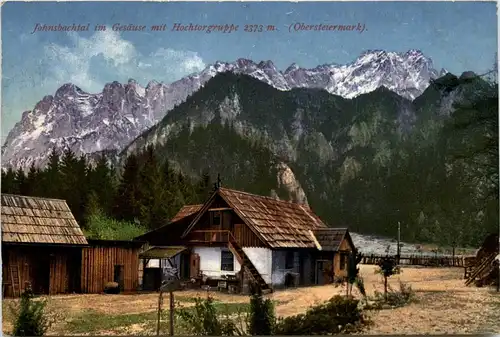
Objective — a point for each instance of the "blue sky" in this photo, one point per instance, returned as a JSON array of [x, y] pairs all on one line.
[[458, 36]]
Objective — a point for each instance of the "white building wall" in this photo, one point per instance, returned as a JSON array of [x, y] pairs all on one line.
[[278, 266], [153, 263], [262, 260], [210, 261]]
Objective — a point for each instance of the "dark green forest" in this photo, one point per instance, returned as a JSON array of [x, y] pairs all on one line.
[[365, 163], [108, 204]]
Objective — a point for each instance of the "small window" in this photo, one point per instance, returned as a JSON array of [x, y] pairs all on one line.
[[343, 261], [227, 261], [215, 218], [289, 260]]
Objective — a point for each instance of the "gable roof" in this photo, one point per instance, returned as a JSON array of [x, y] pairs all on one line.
[[278, 223], [38, 220], [185, 211], [171, 232], [330, 238]]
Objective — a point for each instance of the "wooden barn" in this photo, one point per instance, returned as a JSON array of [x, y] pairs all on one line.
[[41, 244], [106, 261], [237, 237]]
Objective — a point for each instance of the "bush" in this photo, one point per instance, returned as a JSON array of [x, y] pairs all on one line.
[[99, 226], [204, 320], [262, 316], [388, 267], [394, 298], [338, 315], [31, 319]]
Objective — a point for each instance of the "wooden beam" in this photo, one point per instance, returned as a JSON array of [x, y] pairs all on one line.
[[220, 209]]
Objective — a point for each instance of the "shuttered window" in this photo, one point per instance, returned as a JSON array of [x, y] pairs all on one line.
[[227, 261]]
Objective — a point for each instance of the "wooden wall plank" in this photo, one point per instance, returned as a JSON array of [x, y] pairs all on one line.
[[99, 264]]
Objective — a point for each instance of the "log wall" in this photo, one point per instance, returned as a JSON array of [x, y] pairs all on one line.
[[39, 266], [98, 267]]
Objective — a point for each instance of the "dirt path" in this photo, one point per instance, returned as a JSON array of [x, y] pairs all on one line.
[[444, 304]]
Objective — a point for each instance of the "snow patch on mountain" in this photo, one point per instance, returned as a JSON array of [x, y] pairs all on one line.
[[88, 123]]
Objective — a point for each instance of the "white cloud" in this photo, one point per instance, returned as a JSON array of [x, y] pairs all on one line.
[[188, 62], [89, 63], [106, 56]]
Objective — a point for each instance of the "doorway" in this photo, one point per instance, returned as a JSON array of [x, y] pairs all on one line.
[[184, 266], [41, 275], [324, 272], [119, 275], [319, 272]]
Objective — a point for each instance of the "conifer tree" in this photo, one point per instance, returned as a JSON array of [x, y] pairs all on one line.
[[33, 181], [21, 186], [8, 182], [102, 183], [153, 210], [127, 203], [204, 187], [51, 176], [73, 183]]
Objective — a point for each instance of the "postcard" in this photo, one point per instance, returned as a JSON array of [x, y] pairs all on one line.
[[249, 168]]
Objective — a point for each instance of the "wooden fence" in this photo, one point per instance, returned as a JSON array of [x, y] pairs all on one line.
[[428, 261]]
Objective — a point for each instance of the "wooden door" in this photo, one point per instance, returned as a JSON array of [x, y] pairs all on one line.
[[185, 265], [319, 272], [74, 270], [226, 221], [195, 265], [41, 274], [238, 231], [119, 275], [328, 272]]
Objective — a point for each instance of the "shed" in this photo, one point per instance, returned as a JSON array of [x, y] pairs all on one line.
[[106, 261], [338, 241], [41, 244]]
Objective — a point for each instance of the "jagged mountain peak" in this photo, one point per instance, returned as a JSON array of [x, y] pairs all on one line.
[[66, 90], [152, 84], [415, 52], [292, 67], [113, 118], [266, 64], [113, 85], [468, 74], [244, 62]]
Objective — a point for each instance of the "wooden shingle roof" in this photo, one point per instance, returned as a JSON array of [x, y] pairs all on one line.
[[185, 211], [330, 238], [38, 220], [280, 224]]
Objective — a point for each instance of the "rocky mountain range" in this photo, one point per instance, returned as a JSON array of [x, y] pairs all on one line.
[[369, 161], [110, 120]]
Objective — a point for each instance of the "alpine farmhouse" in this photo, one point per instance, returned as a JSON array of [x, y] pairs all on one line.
[[279, 244]]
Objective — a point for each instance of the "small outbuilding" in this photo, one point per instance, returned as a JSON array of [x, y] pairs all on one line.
[[41, 244]]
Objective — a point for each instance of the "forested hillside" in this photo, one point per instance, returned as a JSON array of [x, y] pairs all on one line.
[[366, 163], [106, 204]]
